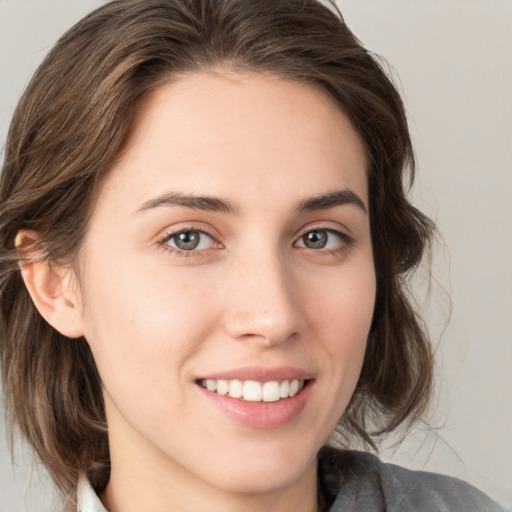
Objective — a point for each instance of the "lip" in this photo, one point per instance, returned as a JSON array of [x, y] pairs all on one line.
[[260, 415], [260, 374]]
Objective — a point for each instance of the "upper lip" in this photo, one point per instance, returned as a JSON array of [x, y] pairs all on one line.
[[260, 374]]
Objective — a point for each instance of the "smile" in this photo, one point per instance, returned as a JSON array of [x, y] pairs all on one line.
[[254, 391]]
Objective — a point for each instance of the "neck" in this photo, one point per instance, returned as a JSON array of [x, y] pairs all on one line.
[[152, 492], [144, 478]]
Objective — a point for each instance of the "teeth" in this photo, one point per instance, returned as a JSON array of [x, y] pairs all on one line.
[[236, 389], [271, 391], [222, 387], [294, 387], [284, 389], [253, 391]]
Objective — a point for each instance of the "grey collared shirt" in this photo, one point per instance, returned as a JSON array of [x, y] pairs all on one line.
[[359, 482]]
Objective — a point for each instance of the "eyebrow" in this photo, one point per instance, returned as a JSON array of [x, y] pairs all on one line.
[[216, 204], [192, 201], [331, 200]]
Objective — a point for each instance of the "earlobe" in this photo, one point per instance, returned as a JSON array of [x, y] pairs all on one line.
[[52, 287]]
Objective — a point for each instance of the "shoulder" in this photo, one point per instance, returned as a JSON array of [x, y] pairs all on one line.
[[357, 482]]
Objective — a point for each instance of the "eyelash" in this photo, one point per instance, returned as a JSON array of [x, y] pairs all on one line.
[[182, 253], [347, 242]]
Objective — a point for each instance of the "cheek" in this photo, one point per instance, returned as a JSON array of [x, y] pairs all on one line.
[[343, 301], [143, 322], [342, 311]]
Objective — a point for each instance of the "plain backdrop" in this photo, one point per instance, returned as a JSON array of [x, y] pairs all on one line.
[[453, 60]]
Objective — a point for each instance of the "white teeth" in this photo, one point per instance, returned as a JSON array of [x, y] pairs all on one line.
[[222, 387], [236, 389], [284, 389], [294, 387], [271, 391], [254, 391]]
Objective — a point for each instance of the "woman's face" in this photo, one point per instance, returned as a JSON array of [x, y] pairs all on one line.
[[229, 253]]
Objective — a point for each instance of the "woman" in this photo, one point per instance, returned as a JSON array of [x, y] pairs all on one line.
[[205, 237]]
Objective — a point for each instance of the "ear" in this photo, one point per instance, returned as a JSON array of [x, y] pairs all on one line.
[[52, 287]]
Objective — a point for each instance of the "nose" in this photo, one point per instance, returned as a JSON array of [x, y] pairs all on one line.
[[263, 304]]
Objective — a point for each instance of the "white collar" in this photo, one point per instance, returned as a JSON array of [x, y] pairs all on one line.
[[87, 499]]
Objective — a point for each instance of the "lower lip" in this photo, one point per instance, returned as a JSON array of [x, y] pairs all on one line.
[[262, 415]]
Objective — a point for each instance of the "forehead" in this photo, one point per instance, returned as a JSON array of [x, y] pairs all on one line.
[[253, 136]]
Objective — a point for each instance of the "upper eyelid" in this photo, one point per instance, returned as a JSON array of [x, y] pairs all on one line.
[[171, 236], [170, 232], [340, 231], [340, 234]]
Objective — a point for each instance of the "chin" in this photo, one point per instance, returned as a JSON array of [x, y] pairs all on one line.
[[266, 471]]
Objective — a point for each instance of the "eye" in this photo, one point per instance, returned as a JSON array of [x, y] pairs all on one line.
[[322, 239], [189, 240]]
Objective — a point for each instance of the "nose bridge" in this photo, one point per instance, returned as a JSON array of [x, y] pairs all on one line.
[[263, 306]]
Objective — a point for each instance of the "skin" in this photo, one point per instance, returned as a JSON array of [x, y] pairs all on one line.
[[252, 294]]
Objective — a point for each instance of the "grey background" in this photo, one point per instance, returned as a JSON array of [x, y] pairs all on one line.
[[455, 67]]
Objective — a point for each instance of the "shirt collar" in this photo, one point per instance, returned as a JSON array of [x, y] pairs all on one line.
[[87, 499]]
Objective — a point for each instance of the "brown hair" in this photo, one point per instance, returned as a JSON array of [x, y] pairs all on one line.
[[69, 127]]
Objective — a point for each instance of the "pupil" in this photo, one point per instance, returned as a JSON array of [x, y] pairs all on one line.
[[315, 239], [187, 241]]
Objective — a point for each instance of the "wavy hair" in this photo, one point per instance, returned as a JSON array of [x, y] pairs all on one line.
[[66, 133]]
